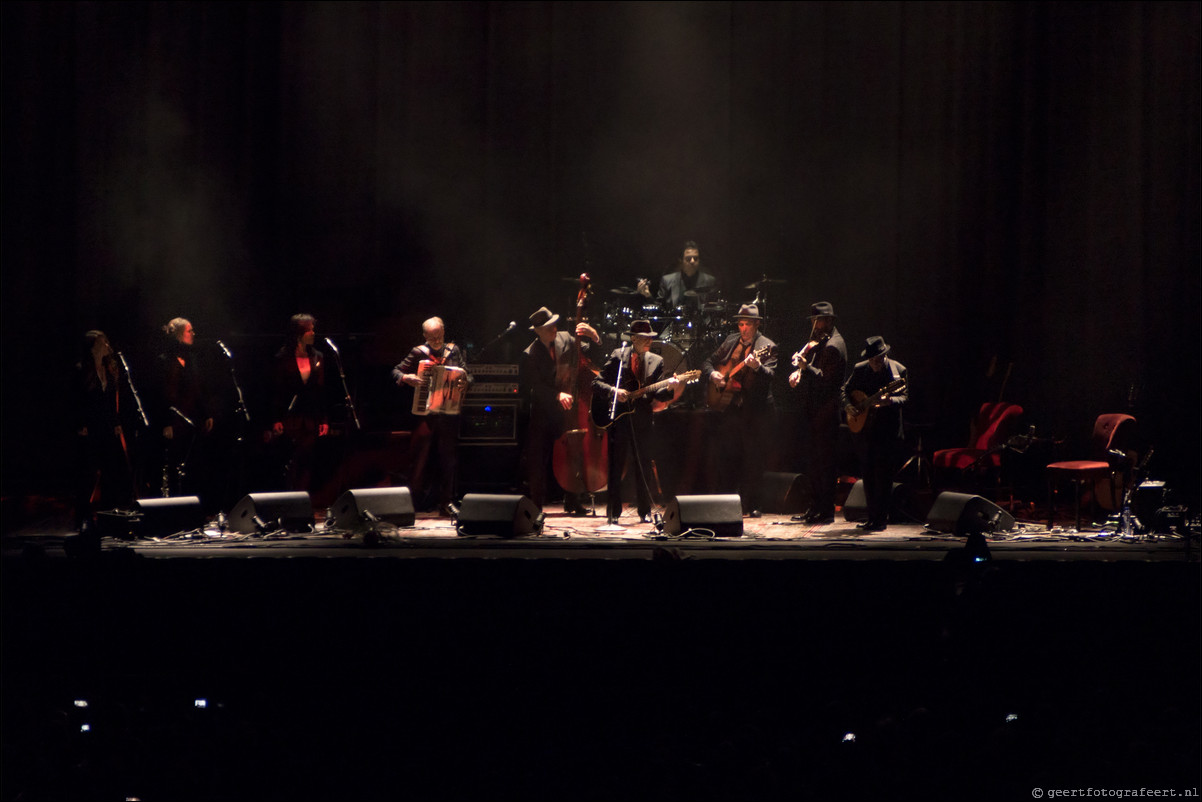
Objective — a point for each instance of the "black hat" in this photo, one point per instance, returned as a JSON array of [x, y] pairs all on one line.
[[821, 309], [748, 312], [542, 317], [641, 328], [874, 346]]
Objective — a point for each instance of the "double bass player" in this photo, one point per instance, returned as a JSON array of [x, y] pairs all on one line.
[[548, 376]]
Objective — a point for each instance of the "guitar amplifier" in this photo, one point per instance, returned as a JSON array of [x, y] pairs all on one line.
[[494, 381], [482, 421]]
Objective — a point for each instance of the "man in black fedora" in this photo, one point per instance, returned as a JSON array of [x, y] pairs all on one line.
[[548, 377], [629, 369], [821, 365], [873, 395], [740, 374]]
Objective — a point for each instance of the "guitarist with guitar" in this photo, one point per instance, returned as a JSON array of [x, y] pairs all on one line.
[[740, 375], [621, 383], [872, 398]]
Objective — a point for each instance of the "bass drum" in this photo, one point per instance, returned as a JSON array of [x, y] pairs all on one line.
[[673, 356]]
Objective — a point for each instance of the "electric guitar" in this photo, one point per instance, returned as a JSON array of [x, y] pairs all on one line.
[[720, 398], [602, 402], [858, 418]]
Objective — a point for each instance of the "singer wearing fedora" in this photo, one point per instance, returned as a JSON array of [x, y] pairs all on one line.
[[629, 369], [740, 375], [548, 383], [298, 403], [821, 365], [438, 430], [875, 392]]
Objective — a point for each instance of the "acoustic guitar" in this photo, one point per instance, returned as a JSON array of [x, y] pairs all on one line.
[[602, 402], [720, 399], [858, 418]]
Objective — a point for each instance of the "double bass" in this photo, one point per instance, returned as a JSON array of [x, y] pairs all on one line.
[[581, 456]]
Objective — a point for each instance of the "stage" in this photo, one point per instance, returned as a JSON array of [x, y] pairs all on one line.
[[595, 663]]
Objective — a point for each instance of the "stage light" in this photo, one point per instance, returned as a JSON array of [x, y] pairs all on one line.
[[1011, 717], [81, 702], [202, 703], [85, 727], [849, 738]]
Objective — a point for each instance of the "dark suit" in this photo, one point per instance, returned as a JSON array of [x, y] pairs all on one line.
[[301, 407], [543, 379], [743, 437], [877, 443], [820, 385], [630, 436], [672, 287]]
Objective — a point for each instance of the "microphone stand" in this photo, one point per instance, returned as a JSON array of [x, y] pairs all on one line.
[[243, 414], [512, 325], [129, 379], [350, 403], [613, 404], [135, 463]]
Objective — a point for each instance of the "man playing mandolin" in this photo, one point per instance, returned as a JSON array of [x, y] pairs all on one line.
[[873, 397], [740, 382]]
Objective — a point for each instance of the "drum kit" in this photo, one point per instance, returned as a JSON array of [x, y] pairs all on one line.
[[687, 333]]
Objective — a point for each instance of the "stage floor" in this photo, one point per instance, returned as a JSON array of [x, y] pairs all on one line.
[[589, 537]]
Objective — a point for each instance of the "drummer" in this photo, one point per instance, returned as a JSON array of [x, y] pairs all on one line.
[[687, 285]]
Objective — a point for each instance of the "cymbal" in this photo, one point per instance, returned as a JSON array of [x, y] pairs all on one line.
[[624, 291], [755, 285]]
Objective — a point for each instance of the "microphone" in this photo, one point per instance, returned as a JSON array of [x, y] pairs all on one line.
[[224, 350], [513, 324], [182, 417], [330, 343]]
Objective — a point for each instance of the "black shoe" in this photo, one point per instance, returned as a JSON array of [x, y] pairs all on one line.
[[821, 520], [875, 527], [612, 520], [863, 524], [755, 514], [804, 518], [644, 517]]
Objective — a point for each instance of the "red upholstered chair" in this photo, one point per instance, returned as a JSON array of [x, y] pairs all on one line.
[[1103, 466], [991, 428]]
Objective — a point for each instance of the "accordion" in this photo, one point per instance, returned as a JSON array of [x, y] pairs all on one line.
[[441, 391]]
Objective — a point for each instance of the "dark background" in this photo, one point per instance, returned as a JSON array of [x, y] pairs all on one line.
[[974, 181]]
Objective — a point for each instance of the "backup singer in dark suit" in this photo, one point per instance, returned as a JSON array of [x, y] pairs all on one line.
[[298, 402], [819, 375], [630, 436], [548, 377], [438, 431], [102, 410], [183, 409], [748, 418], [877, 443]]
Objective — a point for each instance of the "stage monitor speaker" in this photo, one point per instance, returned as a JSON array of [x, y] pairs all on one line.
[[785, 493], [722, 515], [963, 514], [505, 516], [166, 516], [356, 509], [855, 509], [264, 512]]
